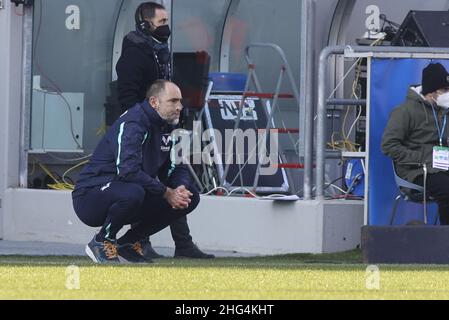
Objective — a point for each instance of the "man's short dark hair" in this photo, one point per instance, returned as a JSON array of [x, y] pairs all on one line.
[[148, 9], [157, 88]]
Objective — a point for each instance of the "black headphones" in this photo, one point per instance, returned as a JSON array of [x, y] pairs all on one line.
[[142, 24]]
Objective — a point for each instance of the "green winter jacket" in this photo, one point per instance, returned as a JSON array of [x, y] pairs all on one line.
[[411, 134]]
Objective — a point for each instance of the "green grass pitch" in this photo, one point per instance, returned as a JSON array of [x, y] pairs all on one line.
[[305, 276]]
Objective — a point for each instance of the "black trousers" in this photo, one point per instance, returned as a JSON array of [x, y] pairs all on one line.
[[180, 233], [120, 203], [438, 188]]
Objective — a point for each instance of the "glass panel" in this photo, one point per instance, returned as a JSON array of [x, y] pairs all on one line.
[[71, 70], [198, 26], [266, 21]]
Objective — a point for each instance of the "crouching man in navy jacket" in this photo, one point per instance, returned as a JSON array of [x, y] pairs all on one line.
[[131, 179]]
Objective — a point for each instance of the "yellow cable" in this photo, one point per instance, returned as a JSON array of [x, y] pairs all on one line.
[[59, 185], [70, 169], [43, 167], [346, 144]]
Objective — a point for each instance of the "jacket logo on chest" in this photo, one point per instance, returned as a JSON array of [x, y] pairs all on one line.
[[166, 142]]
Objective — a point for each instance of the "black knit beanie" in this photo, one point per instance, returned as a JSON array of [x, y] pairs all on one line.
[[434, 77]]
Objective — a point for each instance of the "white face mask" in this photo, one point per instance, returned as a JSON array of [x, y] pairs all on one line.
[[443, 100]]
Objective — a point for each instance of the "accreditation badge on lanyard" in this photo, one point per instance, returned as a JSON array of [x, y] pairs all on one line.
[[440, 158]]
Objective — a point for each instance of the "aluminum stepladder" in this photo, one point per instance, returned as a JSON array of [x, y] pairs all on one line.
[[270, 108]]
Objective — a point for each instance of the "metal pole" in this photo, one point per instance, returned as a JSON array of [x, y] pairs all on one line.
[[409, 52], [346, 102], [306, 88], [25, 108], [226, 35], [321, 120]]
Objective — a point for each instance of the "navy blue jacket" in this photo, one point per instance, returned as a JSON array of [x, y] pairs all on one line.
[[135, 149]]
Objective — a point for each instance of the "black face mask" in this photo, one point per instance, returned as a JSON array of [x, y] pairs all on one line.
[[162, 33]]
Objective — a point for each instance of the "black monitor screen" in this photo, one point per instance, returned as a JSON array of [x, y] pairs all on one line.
[[190, 73]]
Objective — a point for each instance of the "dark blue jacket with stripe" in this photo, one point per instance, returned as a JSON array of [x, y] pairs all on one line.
[[136, 149]]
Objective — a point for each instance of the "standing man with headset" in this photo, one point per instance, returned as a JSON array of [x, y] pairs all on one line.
[[145, 58]]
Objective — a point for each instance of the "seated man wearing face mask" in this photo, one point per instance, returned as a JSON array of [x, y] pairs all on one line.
[[417, 134]]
